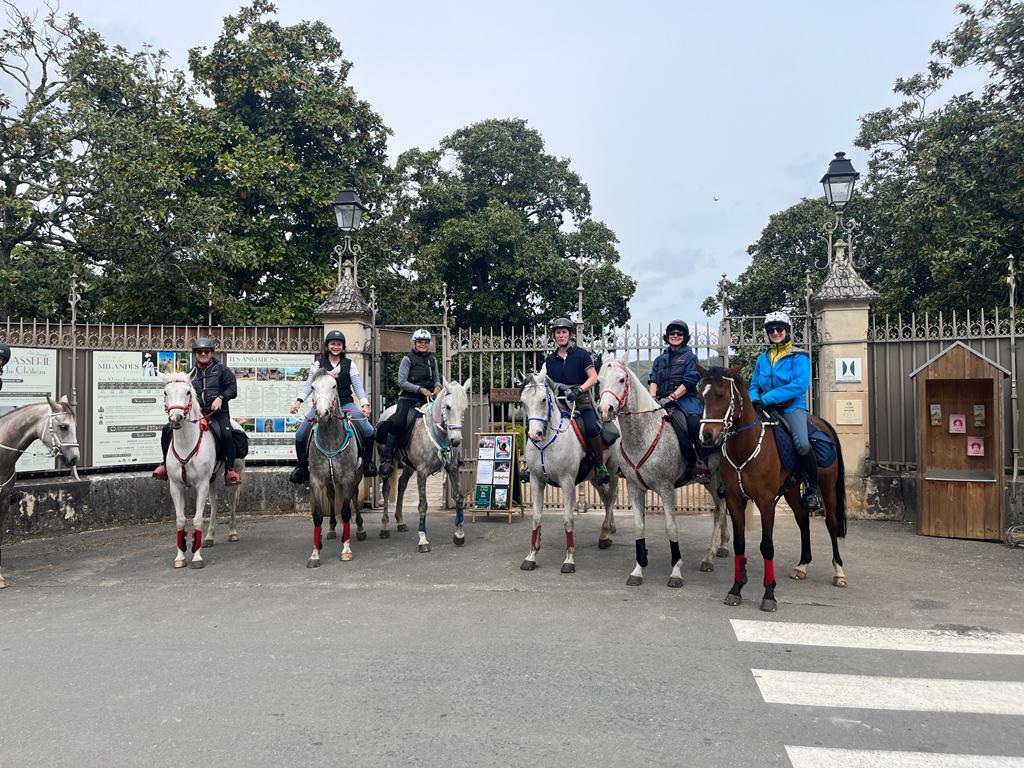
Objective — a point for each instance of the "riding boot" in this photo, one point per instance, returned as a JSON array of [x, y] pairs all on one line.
[[300, 474], [601, 476], [524, 472], [811, 500], [386, 454], [160, 473], [369, 468]]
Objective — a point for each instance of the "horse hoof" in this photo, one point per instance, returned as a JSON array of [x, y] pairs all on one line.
[[634, 581], [346, 556], [208, 542], [731, 599], [839, 581], [232, 537], [528, 565], [768, 605], [422, 548], [675, 582], [401, 527], [568, 567], [331, 535], [798, 574], [313, 562], [604, 543], [198, 564], [180, 563], [360, 535], [721, 552], [385, 534], [707, 566], [458, 540]]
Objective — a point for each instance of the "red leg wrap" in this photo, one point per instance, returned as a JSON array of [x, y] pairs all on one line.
[[181, 540], [535, 538], [316, 538], [738, 565], [197, 541], [346, 532], [568, 540], [769, 573]]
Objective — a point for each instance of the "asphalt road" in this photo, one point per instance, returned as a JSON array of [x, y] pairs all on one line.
[[109, 657]]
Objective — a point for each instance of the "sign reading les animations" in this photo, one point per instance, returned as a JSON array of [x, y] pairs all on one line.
[[29, 377], [267, 386]]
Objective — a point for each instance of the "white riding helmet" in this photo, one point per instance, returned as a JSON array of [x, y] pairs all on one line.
[[777, 318], [421, 334]]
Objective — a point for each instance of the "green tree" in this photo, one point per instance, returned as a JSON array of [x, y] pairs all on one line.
[[494, 216]]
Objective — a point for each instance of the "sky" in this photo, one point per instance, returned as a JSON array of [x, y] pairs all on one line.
[[661, 107]]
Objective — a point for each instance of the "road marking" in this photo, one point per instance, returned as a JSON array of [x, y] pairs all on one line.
[[819, 757], [895, 693], [882, 638]]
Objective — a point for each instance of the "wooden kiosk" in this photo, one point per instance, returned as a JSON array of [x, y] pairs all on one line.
[[960, 445]]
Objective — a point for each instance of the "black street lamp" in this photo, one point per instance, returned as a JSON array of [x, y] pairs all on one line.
[[838, 183], [348, 209]]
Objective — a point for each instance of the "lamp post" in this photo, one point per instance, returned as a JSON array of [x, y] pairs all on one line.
[[838, 183], [580, 269], [209, 304], [348, 209]]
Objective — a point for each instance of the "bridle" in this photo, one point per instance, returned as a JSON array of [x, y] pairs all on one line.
[[727, 430], [564, 422], [442, 443], [621, 399], [53, 450], [622, 412], [204, 427]]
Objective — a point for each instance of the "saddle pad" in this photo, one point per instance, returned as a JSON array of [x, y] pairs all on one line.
[[821, 444]]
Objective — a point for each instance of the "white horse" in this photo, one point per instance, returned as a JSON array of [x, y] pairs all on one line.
[[192, 462], [334, 469], [652, 460], [433, 445], [553, 455], [53, 424]]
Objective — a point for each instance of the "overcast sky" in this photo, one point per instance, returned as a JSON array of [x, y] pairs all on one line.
[[661, 106]]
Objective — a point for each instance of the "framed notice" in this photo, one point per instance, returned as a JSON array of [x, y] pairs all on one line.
[[957, 424], [975, 446], [29, 376], [496, 470], [267, 386]]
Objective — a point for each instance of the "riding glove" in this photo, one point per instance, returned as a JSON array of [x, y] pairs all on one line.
[[573, 393]]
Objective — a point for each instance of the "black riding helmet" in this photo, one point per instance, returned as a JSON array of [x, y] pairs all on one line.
[[203, 342], [677, 325], [335, 336], [562, 322]]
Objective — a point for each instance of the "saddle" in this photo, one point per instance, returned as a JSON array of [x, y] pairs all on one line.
[[241, 442], [353, 434], [821, 443], [384, 428], [609, 434]]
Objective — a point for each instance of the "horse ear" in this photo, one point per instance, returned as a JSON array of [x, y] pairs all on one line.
[[64, 399], [53, 406], [466, 383], [701, 370], [734, 370]]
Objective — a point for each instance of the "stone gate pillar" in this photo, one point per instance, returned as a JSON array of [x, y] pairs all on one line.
[[841, 305], [346, 310]]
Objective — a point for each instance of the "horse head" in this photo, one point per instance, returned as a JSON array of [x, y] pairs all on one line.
[[179, 399], [614, 383], [325, 395], [538, 402], [719, 389], [454, 406], [60, 434]]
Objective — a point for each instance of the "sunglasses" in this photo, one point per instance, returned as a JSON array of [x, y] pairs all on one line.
[[675, 333], [776, 329], [204, 351]]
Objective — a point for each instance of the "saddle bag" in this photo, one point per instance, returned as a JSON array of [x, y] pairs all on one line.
[[241, 443]]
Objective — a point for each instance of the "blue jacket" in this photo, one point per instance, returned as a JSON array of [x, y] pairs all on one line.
[[671, 369], [783, 385]]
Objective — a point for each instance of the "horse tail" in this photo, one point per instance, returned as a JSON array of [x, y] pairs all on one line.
[[840, 483]]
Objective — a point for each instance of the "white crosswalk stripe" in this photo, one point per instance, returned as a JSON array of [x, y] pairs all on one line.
[[879, 692]]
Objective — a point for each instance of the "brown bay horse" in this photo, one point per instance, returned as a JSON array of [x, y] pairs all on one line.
[[752, 469]]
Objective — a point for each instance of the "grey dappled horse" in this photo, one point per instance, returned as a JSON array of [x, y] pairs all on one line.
[[553, 455], [334, 472], [192, 462], [433, 445], [652, 460], [53, 424]]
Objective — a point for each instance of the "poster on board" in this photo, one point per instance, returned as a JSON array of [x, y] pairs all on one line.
[[29, 376], [494, 471], [268, 384]]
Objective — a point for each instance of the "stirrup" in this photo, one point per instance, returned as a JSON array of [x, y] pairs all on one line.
[[386, 469], [601, 476], [811, 500], [369, 469], [298, 475]]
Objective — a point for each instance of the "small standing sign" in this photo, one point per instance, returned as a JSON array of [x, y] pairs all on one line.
[[496, 473]]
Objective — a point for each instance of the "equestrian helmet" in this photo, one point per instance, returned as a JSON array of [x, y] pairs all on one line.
[[778, 320], [334, 336], [5, 353], [202, 342], [562, 322], [421, 334], [678, 325]]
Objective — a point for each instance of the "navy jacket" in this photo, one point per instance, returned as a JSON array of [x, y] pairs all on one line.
[[213, 381], [672, 369]]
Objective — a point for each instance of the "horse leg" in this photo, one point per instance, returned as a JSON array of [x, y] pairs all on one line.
[[537, 492], [354, 496], [607, 495], [421, 483], [211, 524], [337, 495], [569, 507], [459, 537], [232, 530], [668, 500], [767, 507], [204, 492], [828, 495], [385, 489], [403, 483], [636, 501], [737, 507], [178, 497], [318, 522], [803, 522], [4, 499], [719, 530], [332, 529]]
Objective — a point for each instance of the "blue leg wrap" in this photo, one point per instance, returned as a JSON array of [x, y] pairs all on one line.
[[641, 552]]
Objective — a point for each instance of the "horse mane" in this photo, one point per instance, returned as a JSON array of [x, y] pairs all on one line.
[[717, 373], [320, 372]]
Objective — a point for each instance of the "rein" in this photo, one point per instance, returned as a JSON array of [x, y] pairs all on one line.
[[445, 452], [53, 449], [657, 438], [727, 426], [204, 427], [562, 426]]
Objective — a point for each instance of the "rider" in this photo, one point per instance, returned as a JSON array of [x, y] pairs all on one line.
[[5, 358], [572, 366], [674, 379], [782, 375], [215, 385], [418, 379], [332, 359]]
